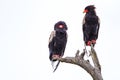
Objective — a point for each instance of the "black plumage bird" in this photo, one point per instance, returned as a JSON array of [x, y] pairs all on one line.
[[90, 26], [57, 41]]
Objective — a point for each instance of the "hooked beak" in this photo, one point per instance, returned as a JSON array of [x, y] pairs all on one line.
[[85, 11]]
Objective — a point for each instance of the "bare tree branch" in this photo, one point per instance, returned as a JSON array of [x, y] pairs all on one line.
[[95, 72], [95, 58]]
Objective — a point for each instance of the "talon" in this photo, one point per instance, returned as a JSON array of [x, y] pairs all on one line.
[[88, 43], [93, 41], [55, 57]]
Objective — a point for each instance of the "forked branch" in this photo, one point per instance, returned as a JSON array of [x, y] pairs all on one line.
[[94, 71]]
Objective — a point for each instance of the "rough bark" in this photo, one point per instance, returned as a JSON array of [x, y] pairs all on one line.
[[94, 71]]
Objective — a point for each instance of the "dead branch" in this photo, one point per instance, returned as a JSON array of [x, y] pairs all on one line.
[[94, 71], [95, 59]]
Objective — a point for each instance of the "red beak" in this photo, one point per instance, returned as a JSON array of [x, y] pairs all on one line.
[[85, 11]]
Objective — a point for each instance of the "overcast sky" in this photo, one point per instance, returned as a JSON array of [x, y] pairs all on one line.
[[25, 26]]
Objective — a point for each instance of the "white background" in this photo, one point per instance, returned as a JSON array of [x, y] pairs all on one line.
[[25, 26]]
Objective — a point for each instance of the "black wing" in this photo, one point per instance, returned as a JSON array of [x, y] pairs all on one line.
[[84, 29], [97, 29], [51, 44]]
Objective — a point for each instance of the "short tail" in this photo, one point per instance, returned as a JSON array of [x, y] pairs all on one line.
[[56, 66]]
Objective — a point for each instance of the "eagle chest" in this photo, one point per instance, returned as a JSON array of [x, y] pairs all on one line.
[[60, 39], [91, 19]]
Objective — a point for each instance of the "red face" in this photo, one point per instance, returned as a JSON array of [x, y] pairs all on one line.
[[85, 11], [60, 26]]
